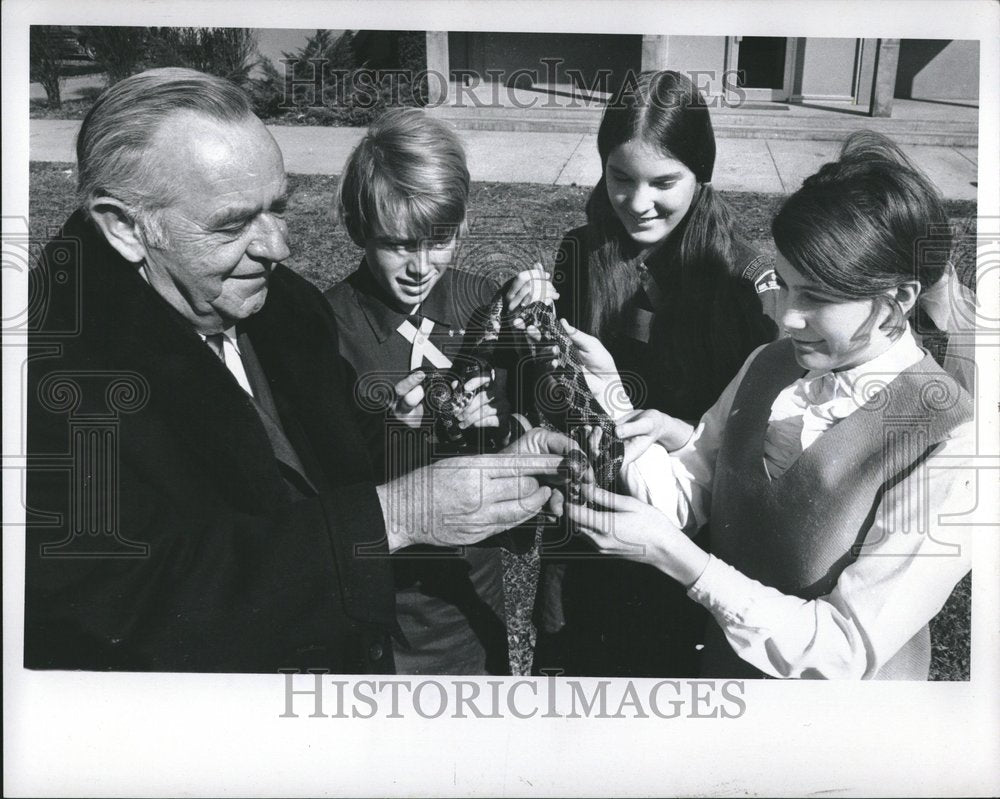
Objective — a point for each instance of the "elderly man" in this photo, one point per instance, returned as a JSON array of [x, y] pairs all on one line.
[[200, 498]]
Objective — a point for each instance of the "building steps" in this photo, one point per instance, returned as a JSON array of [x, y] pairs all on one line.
[[789, 123]]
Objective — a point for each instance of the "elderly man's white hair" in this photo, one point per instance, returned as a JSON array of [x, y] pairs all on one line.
[[112, 148]]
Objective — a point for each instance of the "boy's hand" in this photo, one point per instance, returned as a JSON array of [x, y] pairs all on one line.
[[409, 405], [531, 285], [488, 406]]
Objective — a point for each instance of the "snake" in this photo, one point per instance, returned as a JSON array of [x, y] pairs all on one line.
[[561, 400]]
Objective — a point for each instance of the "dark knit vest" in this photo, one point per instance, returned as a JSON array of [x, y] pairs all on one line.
[[799, 531]]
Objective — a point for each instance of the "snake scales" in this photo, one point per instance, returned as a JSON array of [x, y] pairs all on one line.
[[560, 400]]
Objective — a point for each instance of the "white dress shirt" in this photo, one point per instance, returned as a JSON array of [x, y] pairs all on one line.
[[233, 358], [230, 348], [899, 581]]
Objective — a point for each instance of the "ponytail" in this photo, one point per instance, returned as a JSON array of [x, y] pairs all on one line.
[[870, 221], [866, 222]]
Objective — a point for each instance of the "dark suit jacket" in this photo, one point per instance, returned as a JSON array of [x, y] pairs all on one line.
[[162, 534]]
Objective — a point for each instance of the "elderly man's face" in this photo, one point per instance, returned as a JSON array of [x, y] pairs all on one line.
[[226, 231]]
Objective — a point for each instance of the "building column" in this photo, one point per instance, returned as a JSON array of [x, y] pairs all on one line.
[[654, 52], [884, 80], [438, 77]]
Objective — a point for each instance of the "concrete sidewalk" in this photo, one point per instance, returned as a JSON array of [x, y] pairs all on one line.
[[759, 165]]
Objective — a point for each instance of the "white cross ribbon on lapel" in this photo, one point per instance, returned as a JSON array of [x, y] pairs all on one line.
[[422, 345]]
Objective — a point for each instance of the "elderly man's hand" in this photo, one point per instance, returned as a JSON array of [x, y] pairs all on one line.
[[464, 500], [574, 469]]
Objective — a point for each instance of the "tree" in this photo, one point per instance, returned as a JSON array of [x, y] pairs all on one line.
[[118, 50], [227, 52], [45, 58], [347, 79], [322, 62], [122, 51]]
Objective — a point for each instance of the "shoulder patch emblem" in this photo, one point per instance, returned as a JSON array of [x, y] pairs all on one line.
[[766, 281]]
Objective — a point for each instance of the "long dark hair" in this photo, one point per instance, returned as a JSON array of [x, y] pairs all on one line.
[[705, 326], [865, 224]]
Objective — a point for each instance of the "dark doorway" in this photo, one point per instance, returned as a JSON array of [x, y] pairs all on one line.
[[761, 62]]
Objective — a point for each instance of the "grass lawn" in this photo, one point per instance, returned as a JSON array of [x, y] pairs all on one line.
[[70, 109], [516, 224]]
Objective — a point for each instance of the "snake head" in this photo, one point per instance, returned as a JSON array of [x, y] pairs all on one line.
[[577, 466], [578, 470]]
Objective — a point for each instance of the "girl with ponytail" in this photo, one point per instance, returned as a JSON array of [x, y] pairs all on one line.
[[658, 275], [830, 473]]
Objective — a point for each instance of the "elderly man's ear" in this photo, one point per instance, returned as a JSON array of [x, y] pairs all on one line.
[[119, 227]]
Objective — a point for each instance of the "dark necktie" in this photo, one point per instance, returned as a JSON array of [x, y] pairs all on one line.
[[264, 405], [215, 342]]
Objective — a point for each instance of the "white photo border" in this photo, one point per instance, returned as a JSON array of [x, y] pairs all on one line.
[[176, 734]]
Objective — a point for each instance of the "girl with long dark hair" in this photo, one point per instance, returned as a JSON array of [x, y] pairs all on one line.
[[660, 277]]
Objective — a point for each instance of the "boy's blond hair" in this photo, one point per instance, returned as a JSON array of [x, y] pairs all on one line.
[[407, 180]]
